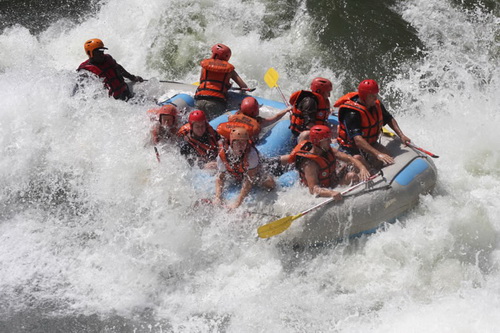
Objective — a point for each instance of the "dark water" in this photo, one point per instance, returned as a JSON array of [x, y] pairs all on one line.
[[38, 15]]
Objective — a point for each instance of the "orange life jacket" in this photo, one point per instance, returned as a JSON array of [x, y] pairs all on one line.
[[297, 119], [371, 122], [327, 164], [214, 79], [240, 120], [160, 134], [113, 81], [207, 152], [236, 169]]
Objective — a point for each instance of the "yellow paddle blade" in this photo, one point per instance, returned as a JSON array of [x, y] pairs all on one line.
[[385, 131], [276, 227], [271, 77]]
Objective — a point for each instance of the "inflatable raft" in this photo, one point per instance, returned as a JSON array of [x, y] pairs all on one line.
[[392, 193]]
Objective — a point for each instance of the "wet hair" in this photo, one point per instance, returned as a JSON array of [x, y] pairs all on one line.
[[308, 105]]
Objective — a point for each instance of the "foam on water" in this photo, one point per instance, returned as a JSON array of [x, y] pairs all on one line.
[[92, 224]]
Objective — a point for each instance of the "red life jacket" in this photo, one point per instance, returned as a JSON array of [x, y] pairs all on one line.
[[371, 122], [240, 120], [236, 169], [214, 79], [327, 164], [297, 119], [207, 152], [113, 81]]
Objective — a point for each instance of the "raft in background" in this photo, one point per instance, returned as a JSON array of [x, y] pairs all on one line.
[[387, 197]]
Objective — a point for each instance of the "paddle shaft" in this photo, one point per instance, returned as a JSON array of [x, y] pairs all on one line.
[[157, 154], [423, 150], [283, 96], [341, 193]]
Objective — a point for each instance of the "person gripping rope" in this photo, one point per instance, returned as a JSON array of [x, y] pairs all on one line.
[[216, 73], [361, 118], [240, 160], [318, 166], [106, 68]]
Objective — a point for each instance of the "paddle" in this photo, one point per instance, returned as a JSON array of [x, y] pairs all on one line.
[[278, 226], [389, 133], [271, 77], [423, 150], [157, 154]]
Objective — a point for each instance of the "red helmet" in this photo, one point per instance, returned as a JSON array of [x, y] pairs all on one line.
[[321, 85], [239, 133], [168, 110], [367, 87], [250, 107], [319, 133], [197, 115], [93, 44], [221, 51]]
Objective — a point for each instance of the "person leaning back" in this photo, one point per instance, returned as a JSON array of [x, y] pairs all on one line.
[[106, 68]]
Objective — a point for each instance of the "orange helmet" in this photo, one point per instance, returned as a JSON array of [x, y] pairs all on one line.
[[367, 87], [168, 110], [238, 133], [93, 44], [318, 133], [321, 85], [221, 51], [250, 107]]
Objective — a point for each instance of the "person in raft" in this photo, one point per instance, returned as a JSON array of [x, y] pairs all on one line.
[[216, 73], [317, 164], [310, 108], [106, 68], [240, 160], [199, 141], [165, 124], [361, 118], [248, 117]]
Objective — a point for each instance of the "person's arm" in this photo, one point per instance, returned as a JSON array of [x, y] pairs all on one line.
[[219, 187], [395, 126], [123, 72], [246, 186], [239, 81], [269, 121], [362, 144], [391, 121], [310, 170], [364, 174]]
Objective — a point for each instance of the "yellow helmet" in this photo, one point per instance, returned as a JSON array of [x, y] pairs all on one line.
[[93, 44]]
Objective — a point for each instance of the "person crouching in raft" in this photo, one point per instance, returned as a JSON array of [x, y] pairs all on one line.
[[248, 117], [165, 125], [200, 142], [361, 118], [240, 160], [316, 162]]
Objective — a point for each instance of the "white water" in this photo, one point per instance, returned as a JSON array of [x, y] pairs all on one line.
[[91, 223]]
